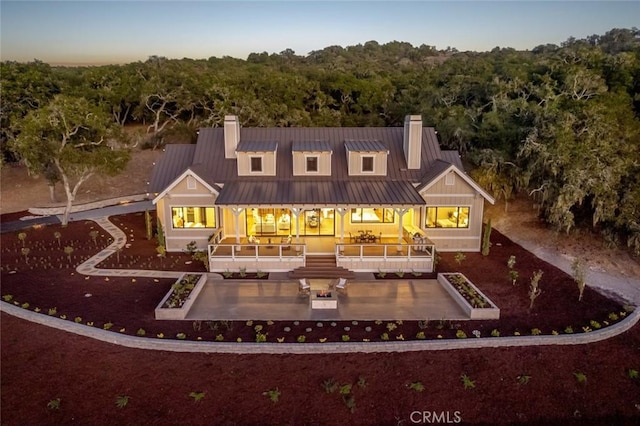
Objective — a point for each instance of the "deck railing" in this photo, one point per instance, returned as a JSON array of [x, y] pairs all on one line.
[[385, 257], [256, 257]]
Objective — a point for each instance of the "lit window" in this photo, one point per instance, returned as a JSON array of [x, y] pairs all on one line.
[[312, 164], [193, 217], [367, 164], [367, 215], [256, 164], [447, 217]]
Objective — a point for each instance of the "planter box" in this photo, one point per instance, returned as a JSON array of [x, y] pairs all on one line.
[[181, 312], [491, 311], [324, 302]]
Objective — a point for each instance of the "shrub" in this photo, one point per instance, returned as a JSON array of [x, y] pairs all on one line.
[[459, 257], [329, 386], [495, 333], [577, 267], [197, 396], [420, 335], [461, 334], [416, 386], [467, 382], [273, 395], [122, 401], [54, 404]]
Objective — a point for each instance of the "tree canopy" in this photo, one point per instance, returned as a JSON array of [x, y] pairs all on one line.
[[560, 123]]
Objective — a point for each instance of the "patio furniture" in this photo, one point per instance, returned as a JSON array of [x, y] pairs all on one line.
[[304, 287], [286, 243], [342, 285]]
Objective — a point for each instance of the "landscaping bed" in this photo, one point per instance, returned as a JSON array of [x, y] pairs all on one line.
[[536, 385]]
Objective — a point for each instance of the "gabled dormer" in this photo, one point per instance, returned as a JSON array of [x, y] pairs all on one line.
[[256, 158], [311, 158], [366, 158]]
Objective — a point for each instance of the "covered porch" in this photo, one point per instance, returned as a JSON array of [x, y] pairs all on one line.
[[276, 254]]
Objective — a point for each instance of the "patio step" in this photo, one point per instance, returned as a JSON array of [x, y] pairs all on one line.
[[321, 260], [321, 272]]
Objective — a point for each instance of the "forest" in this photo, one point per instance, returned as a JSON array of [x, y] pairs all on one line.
[[560, 124]]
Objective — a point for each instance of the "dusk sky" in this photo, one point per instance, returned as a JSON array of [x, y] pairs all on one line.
[[98, 32]]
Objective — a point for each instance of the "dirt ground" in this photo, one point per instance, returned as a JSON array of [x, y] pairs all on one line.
[[40, 365], [19, 191]]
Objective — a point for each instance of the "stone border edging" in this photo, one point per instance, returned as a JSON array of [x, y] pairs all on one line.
[[171, 345], [48, 211]]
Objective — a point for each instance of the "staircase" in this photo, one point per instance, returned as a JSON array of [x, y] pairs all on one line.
[[321, 267]]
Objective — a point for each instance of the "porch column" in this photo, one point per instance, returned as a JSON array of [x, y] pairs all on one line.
[[400, 212], [236, 218], [296, 215], [342, 211]]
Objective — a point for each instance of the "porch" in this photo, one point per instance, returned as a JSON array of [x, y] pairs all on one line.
[[274, 254]]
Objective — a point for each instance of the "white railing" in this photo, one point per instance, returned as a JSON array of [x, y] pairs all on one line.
[[385, 257], [256, 257]]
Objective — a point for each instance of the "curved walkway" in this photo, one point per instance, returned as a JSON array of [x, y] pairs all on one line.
[[120, 240]]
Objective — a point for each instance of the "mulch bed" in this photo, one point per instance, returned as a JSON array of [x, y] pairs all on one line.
[[159, 383]]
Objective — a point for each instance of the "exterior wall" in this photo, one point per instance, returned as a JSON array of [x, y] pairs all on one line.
[[268, 163], [355, 163], [300, 163], [181, 196], [459, 194]]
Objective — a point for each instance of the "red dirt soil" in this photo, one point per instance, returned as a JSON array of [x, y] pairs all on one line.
[[40, 364]]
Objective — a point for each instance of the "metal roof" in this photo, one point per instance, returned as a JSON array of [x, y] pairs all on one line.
[[257, 146], [365, 146], [320, 193], [207, 160], [311, 146], [176, 159]]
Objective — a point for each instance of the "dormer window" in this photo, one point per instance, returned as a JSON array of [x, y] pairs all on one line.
[[367, 164], [311, 158], [366, 157], [312, 164], [256, 164]]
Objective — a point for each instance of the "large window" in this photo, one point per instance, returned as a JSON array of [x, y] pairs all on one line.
[[367, 164], [268, 222], [256, 164], [193, 217], [312, 164], [372, 215], [447, 217]]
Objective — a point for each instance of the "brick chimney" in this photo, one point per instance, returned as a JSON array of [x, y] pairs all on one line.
[[231, 135], [412, 140]]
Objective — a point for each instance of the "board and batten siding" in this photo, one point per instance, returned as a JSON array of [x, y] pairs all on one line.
[[355, 163], [459, 194], [268, 163], [182, 196], [300, 163]]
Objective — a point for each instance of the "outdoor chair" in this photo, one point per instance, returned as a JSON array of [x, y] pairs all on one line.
[[304, 287], [342, 285]]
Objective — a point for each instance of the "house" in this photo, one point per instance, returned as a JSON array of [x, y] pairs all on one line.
[[378, 198]]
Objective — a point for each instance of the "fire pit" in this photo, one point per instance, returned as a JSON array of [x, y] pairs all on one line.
[[324, 299]]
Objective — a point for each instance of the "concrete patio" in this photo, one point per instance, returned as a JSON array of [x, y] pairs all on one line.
[[364, 300]]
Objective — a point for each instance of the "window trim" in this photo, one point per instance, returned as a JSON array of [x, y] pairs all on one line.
[[184, 214], [306, 163], [192, 183], [256, 157], [382, 222], [373, 163], [426, 214]]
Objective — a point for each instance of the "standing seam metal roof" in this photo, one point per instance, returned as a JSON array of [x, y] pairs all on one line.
[[207, 159]]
